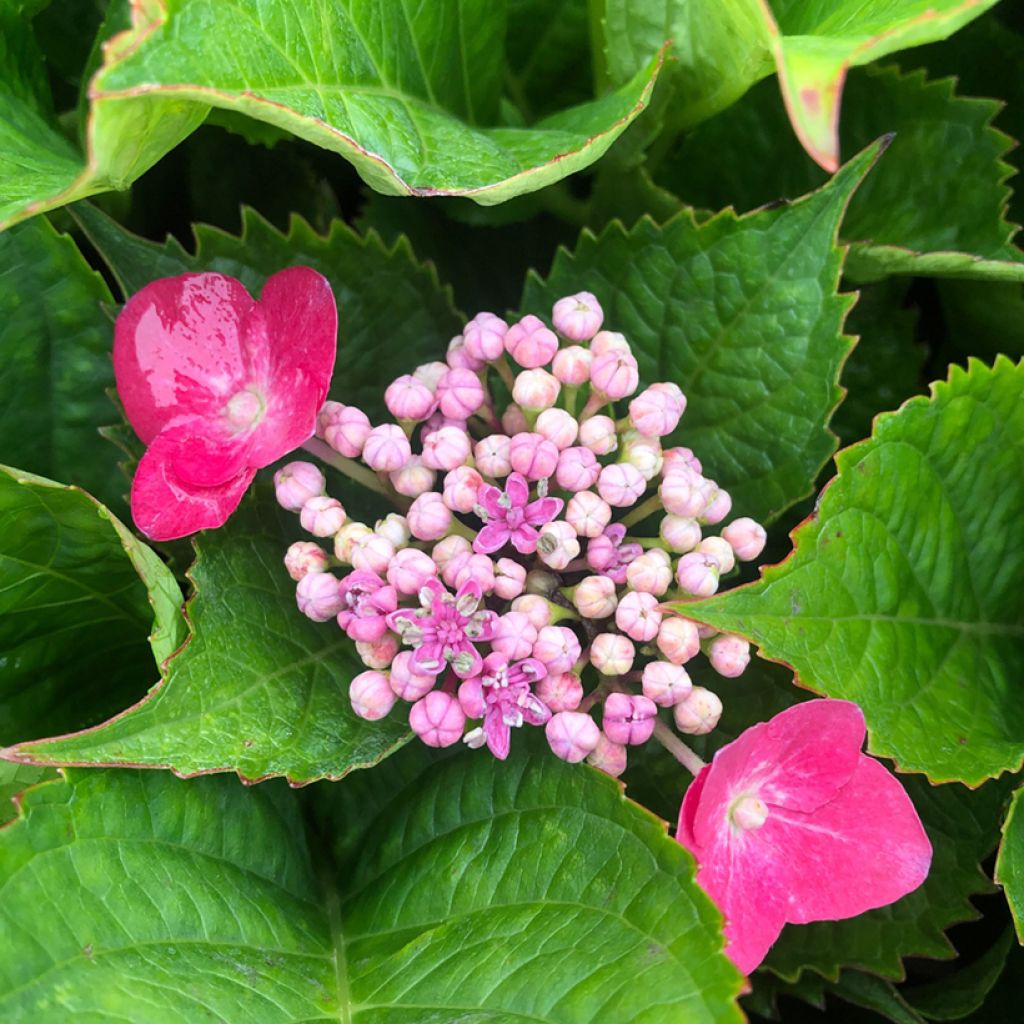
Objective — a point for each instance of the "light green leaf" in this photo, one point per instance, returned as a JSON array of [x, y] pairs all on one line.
[[402, 92], [183, 900], [743, 314], [1010, 864], [14, 780], [55, 366], [903, 591], [75, 610], [259, 689]]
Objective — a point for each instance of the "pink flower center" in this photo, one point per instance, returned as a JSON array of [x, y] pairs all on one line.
[[748, 813], [245, 408]]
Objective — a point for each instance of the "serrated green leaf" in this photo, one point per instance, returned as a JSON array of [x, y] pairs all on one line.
[[74, 612], [935, 205], [902, 592], [14, 780], [743, 314], [1010, 863], [259, 689], [399, 91], [393, 312], [874, 994], [181, 900], [55, 362]]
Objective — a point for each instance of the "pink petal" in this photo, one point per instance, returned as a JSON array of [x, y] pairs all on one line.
[[517, 489], [864, 849], [491, 538], [165, 507], [488, 496], [498, 734], [205, 459], [543, 510], [292, 338], [524, 539], [798, 760], [178, 349], [688, 810]]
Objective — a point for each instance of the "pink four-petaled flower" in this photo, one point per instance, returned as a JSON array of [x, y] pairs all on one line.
[[218, 385], [791, 823], [511, 516]]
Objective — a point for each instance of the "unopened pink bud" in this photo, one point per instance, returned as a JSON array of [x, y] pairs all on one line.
[[643, 453], [344, 427], [558, 427], [629, 719], [460, 488], [446, 448], [621, 484], [698, 712], [304, 557], [371, 695], [577, 469], [296, 483], [429, 517], [609, 757], [706, 632], [409, 570], [598, 434], [484, 337], [720, 550], [322, 516], [682, 493], [656, 411], [679, 533], [717, 508], [697, 574], [431, 373], [535, 607], [492, 455], [406, 683], [615, 374], [557, 647], [471, 698], [729, 655], [609, 341], [346, 538], [557, 545], [680, 457], [572, 735], [395, 528], [437, 719], [587, 513], [318, 596], [515, 637], [413, 479], [513, 420], [459, 394], [387, 448], [571, 365], [533, 456], [378, 654], [612, 654], [638, 617], [678, 639], [666, 684], [409, 399], [450, 548], [561, 691], [478, 568], [530, 343], [372, 553], [746, 538], [459, 357], [577, 317], [535, 390], [509, 579], [595, 597], [650, 573]]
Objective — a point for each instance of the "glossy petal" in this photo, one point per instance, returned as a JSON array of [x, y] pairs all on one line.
[[207, 461], [179, 350], [165, 507]]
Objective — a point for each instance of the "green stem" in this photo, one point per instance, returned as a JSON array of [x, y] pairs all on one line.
[[504, 371], [677, 748], [643, 510], [350, 468]]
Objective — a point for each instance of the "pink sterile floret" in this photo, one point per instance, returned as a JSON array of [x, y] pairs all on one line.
[[366, 600], [792, 823], [217, 385], [609, 554], [511, 516]]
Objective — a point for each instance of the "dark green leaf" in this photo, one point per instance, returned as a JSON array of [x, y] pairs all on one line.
[[743, 314], [903, 591], [1010, 864], [875, 994], [203, 899]]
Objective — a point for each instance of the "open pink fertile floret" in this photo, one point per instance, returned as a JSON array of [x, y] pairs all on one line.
[[218, 385]]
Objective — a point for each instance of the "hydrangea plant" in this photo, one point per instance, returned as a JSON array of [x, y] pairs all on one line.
[[366, 657]]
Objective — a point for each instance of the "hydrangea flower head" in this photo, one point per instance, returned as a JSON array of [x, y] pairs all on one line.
[[791, 823], [217, 385]]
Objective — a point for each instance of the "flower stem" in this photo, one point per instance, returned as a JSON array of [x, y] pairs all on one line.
[[349, 467], [643, 510], [677, 748], [504, 371]]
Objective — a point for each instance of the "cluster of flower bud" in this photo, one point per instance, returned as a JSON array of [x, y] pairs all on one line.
[[526, 577]]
